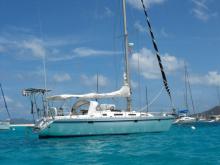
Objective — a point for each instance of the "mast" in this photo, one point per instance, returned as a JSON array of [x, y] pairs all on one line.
[[186, 91], [97, 84], [147, 99], [218, 94], [127, 78], [6, 107], [190, 91]]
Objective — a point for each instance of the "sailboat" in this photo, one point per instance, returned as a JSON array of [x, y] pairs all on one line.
[[4, 125], [88, 117], [183, 115]]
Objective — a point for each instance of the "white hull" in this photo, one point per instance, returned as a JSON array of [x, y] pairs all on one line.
[[185, 120], [74, 127], [4, 125]]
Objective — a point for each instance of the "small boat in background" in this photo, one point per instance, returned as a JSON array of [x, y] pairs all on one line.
[[5, 124], [183, 115], [184, 118]]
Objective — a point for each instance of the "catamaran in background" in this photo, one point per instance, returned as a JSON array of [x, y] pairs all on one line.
[[86, 116], [5, 124]]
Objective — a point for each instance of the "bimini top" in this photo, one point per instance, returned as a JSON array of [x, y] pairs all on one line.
[[183, 111], [123, 92]]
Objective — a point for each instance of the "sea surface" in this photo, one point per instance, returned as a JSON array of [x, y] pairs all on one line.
[[182, 145]]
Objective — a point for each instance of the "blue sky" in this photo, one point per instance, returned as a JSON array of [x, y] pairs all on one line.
[[81, 38]]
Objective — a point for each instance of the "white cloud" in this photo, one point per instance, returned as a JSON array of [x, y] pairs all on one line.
[[92, 80], [200, 4], [137, 3], [149, 65], [62, 77], [105, 13], [108, 12], [212, 78], [2, 49], [201, 10], [8, 99], [27, 46], [139, 27], [164, 33], [134, 84], [35, 74], [20, 43], [11, 103], [85, 52], [35, 46]]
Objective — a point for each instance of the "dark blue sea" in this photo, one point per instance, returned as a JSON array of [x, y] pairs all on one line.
[[180, 146]]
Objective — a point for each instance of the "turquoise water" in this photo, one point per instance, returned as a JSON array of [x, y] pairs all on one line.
[[181, 145]]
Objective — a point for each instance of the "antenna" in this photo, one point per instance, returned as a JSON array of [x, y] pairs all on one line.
[[44, 55]]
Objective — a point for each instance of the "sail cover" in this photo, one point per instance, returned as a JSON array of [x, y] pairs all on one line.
[[123, 92]]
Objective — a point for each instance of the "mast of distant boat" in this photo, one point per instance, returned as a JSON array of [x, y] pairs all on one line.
[[191, 97], [6, 106], [186, 89], [97, 84], [127, 77], [147, 100], [218, 94]]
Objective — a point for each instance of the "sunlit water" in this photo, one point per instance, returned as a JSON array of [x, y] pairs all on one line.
[[182, 145]]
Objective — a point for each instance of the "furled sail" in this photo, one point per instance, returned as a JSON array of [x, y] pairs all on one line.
[[123, 92], [165, 82]]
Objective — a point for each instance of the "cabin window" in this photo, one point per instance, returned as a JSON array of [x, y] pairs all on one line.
[[84, 112], [115, 110], [104, 114], [132, 114], [118, 114]]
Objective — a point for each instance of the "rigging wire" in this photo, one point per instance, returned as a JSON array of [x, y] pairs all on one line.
[[43, 55], [136, 34], [6, 106], [190, 91], [32, 108], [139, 81], [165, 82], [147, 99], [153, 100], [116, 21]]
